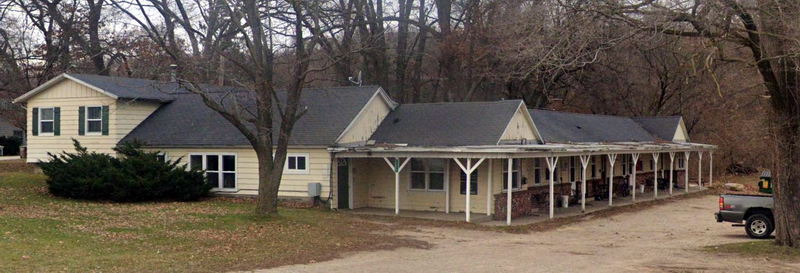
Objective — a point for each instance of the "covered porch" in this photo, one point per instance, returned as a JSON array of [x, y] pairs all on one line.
[[560, 212], [432, 183]]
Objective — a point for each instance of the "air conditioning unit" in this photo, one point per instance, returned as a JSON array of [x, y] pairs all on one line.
[[314, 189]]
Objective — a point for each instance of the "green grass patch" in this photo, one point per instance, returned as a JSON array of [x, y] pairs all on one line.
[[42, 233], [761, 249]]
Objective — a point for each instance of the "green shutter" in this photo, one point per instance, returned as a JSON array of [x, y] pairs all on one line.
[[57, 121], [105, 120], [81, 120], [35, 121]]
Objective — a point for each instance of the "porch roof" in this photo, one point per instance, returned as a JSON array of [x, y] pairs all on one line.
[[518, 151]]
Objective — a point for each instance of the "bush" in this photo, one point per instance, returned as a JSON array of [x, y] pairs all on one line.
[[10, 145], [136, 176]]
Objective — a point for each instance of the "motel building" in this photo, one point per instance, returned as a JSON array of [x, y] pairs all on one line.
[[495, 162]]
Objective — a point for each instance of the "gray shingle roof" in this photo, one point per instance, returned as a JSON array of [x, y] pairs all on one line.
[[564, 127], [130, 88], [661, 127], [447, 124], [187, 122]]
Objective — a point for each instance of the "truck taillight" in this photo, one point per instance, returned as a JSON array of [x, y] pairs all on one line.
[[721, 203]]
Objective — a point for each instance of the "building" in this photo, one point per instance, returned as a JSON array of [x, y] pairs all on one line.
[[368, 151]]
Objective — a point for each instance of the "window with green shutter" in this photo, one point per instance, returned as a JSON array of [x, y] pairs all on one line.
[[47, 121]]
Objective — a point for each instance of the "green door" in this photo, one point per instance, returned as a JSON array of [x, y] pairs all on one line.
[[344, 183]]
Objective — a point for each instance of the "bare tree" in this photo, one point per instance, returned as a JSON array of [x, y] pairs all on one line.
[[267, 122], [768, 29]]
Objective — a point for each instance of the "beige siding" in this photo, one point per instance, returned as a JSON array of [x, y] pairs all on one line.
[[69, 96], [367, 121], [373, 186], [520, 127], [292, 184], [681, 135]]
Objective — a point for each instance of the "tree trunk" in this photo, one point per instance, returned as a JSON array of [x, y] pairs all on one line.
[[787, 183], [267, 200]]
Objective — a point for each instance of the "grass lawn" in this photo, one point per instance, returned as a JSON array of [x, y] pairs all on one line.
[[42, 233], [761, 249]]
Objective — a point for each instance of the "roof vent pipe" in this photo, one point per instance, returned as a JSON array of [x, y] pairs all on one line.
[[173, 73]]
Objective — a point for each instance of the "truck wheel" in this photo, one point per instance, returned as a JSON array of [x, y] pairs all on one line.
[[759, 226]]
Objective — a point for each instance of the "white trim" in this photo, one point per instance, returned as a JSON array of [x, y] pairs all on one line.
[[39, 122], [528, 118], [685, 132], [386, 99], [297, 171], [427, 172], [220, 171], [56, 80], [350, 202], [86, 121]]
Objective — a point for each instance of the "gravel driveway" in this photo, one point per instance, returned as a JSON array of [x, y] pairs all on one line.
[[663, 238]]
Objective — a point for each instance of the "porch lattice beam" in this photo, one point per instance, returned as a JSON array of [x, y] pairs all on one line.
[[396, 167]]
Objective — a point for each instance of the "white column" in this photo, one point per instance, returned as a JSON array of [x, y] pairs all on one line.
[[710, 168], [509, 185], [700, 168], [447, 188], [635, 158], [489, 190], [468, 171], [396, 167], [584, 163], [551, 165], [671, 170], [656, 156], [611, 159], [686, 156]]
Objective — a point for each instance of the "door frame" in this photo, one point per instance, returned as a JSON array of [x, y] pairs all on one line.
[[349, 183]]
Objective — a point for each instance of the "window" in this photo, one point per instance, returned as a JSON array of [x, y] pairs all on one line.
[[94, 120], [639, 165], [572, 168], [515, 178], [46, 121], [220, 169], [681, 163], [161, 157], [625, 164], [473, 183], [537, 171], [18, 134], [594, 168], [297, 163], [427, 174]]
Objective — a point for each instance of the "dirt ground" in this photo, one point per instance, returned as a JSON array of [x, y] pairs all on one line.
[[664, 238]]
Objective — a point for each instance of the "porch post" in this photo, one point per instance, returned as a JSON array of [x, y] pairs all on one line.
[[686, 156], [584, 163], [509, 180], [611, 159], [671, 170], [489, 190], [551, 165], [710, 168], [396, 167], [656, 156], [635, 157], [468, 171], [700, 168]]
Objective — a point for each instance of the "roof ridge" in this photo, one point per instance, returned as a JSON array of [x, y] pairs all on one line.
[[462, 102], [582, 114], [656, 117]]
